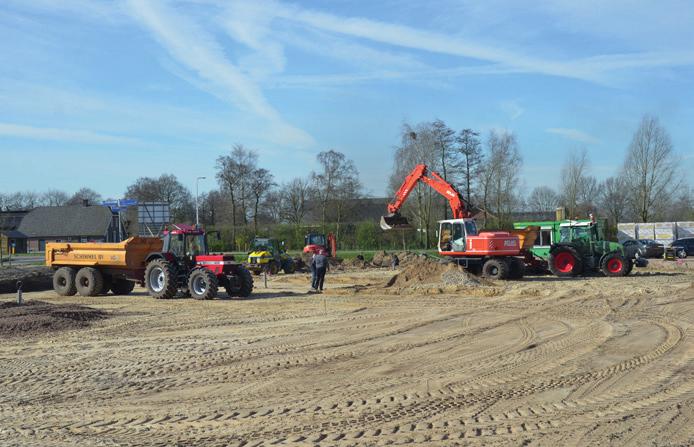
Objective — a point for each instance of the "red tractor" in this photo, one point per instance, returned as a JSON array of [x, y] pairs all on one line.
[[497, 254], [185, 264]]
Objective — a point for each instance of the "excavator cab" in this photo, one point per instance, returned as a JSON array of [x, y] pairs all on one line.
[[453, 234]]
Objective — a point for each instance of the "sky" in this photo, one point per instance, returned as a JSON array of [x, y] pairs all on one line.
[[99, 93]]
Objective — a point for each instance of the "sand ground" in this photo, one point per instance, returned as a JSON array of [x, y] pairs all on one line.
[[542, 361]]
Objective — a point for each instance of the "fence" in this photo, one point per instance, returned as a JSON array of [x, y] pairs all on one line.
[[663, 232]]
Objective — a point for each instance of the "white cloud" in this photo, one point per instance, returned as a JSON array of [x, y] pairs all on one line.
[[574, 134], [54, 134], [195, 48]]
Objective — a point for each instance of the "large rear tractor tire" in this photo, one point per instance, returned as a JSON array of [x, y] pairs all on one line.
[[202, 284], [122, 287], [630, 266], [64, 281], [245, 287], [614, 264], [496, 268], [517, 270], [89, 281], [565, 262], [160, 279]]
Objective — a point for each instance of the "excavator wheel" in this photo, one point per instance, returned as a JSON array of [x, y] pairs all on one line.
[[496, 268], [160, 279], [202, 284], [517, 268]]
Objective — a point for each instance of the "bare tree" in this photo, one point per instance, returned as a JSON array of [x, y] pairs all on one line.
[[543, 199], [88, 194], [470, 148], [296, 194], [588, 193], [573, 175], [500, 176], [165, 188], [444, 141], [614, 198], [336, 172], [260, 184], [650, 168], [54, 197], [233, 172]]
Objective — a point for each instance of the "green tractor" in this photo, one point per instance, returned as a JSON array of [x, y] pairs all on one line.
[[268, 255], [575, 247]]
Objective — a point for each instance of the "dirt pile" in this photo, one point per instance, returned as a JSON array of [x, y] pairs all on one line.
[[33, 279], [385, 259], [427, 273], [37, 317]]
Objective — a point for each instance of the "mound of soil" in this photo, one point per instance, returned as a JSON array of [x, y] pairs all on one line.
[[33, 279], [37, 317], [425, 272], [384, 259]]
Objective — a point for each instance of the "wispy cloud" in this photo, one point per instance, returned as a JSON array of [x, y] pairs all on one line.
[[574, 134], [54, 134], [192, 46], [512, 108]]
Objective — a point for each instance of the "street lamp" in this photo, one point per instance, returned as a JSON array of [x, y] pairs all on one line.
[[197, 210]]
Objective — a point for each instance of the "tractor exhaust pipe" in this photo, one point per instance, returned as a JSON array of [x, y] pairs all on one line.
[[392, 221]]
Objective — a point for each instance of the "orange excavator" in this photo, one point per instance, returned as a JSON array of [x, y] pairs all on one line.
[[495, 254]]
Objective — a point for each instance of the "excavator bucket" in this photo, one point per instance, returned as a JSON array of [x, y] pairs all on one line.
[[392, 221]]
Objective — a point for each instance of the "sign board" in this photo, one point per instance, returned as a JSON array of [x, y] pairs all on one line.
[[664, 232], [645, 231], [685, 229]]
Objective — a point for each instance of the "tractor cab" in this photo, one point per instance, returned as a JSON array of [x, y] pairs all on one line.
[[185, 243], [453, 234], [578, 231]]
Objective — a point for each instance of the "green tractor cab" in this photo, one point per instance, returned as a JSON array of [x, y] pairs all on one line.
[[268, 255], [575, 247]]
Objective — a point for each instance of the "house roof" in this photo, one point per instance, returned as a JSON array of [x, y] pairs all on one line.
[[13, 234], [10, 220], [64, 221]]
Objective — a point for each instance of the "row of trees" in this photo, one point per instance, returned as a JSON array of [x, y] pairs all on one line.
[[485, 169]]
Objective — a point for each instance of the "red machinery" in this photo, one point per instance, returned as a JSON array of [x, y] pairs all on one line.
[[185, 264], [495, 253], [316, 242]]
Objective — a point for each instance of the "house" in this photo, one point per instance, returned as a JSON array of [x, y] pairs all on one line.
[[10, 238], [77, 223]]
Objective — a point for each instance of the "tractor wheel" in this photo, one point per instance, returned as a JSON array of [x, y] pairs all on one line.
[[245, 286], [122, 287], [89, 281], [614, 264], [496, 268], [565, 262], [160, 279], [289, 267], [517, 268], [64, 281], [203, 284], [273, 268]]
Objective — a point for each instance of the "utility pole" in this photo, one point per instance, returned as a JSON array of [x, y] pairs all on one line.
[[197, 208]]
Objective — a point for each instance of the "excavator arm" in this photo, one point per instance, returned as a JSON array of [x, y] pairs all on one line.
[[419, 174]]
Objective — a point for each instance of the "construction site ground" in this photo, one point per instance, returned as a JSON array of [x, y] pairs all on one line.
[[432, 359]]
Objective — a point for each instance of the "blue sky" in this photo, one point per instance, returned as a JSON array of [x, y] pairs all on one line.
[[99, 93]]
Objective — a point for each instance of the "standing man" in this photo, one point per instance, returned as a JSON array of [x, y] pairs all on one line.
[[319, 263]]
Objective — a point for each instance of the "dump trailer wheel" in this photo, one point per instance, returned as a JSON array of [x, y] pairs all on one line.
[[64, 281], [289, 267], [496, 268], [565, 262], [89, 281], [517, 268], [202, 284], [245, 287], [160, 279], [122, 287], [614, 264]]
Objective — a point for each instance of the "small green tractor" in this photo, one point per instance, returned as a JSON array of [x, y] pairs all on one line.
[[268, 255], [575, 247]]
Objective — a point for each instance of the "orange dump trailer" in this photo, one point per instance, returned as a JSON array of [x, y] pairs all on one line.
[[95, 268]]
